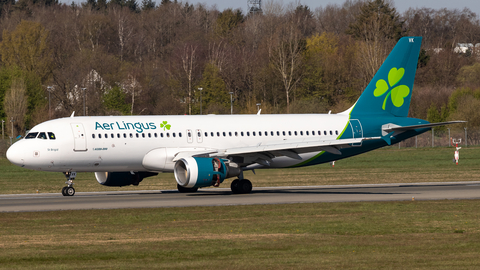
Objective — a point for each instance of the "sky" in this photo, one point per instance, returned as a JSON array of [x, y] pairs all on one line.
[[400, 5]]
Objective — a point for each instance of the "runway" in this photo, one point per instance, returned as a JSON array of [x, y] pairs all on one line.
[[223, 196]]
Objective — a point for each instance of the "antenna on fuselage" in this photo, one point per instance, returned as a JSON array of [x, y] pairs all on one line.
[[73, 114]]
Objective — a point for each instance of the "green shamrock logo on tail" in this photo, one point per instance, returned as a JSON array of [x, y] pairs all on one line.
[[165, 125], [398, 94]]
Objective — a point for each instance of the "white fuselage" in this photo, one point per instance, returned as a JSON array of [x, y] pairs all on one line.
[[120, 143]]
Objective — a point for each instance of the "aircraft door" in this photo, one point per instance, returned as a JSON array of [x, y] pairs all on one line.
[[79, 138], [356, 130], [199, 135], [189, 136]]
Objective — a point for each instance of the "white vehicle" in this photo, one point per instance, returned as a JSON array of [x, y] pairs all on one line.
[[203, 151]]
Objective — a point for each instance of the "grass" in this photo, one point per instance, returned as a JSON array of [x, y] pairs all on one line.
[[387, 165], [393, 235], [363, 235]]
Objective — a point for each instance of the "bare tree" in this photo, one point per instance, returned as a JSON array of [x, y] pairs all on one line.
[[189, 63], [286, 56], [15, 104]]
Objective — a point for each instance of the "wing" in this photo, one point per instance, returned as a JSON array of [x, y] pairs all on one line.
[[264, 153]]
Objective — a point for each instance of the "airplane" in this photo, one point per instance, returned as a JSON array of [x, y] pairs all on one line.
[[204, 150]]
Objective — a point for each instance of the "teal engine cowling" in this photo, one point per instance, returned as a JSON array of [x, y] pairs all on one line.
[[197, 172], [120, 179]]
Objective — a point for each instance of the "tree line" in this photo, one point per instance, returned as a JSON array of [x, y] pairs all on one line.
[[124, 57]]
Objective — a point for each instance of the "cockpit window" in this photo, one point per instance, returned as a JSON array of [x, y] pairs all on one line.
[[51, 135], [31, 135], [42, 136]]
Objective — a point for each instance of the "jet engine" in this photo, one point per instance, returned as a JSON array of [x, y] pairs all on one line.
[[196, 172], [120, 179]]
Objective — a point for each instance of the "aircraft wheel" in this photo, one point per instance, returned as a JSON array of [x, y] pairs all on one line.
[[63, 191], [69, 191], [234, 186], [186, 190], [241, 186], [246, 186]]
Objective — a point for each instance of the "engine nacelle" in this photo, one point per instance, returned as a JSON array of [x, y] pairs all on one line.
[[195, 172], [120, 179]]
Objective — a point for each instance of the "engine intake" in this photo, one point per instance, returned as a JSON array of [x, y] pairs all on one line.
[[120, 179], [195, 172]]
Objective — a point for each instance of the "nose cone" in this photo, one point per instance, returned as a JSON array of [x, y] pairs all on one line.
[[15, 155]]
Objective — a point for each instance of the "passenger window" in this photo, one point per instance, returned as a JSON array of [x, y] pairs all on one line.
[[206, 134], [118, 135], [149, 135], [271, 133], [180, 134], [173, 134], [284, 133], [218, 134], [336, 132], [51, 136], [211, 134], [324, 132], [42, 136], [236, 134], [248, 133], [99, 136], [168, 135], [199, 134], [331, 133], [124, 135], [189, 134], [306, 132], [224, 135], [155, 135], [143, 135], [259, 133], [278, 133], [241, 133], [131, 135], [31, 135], [136, 135], [161, 135], [253, 133], [93, 136], [106, 136], [112, 136], [301, 133], [230, 133]]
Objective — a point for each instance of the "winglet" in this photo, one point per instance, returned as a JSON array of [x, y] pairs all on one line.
[[73, 114]]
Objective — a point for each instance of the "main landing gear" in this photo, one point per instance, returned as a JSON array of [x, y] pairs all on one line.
[[241, 186], [69, 190]]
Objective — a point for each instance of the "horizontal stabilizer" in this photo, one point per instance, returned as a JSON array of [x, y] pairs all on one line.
[[391, 127]]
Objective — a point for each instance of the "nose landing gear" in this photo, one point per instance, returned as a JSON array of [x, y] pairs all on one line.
[[69, 190]]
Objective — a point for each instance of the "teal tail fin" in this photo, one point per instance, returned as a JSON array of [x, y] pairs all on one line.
[[390, 90]]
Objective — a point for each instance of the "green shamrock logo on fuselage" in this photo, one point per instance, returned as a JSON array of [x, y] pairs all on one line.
[[165, 125], [398, 93]]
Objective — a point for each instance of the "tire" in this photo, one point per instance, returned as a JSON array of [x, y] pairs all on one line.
[[64, 193], [234, 186], [186, 190], [245, 186]]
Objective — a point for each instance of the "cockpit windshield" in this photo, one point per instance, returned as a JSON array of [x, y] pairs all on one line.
[[42, 136], [31, 135]]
